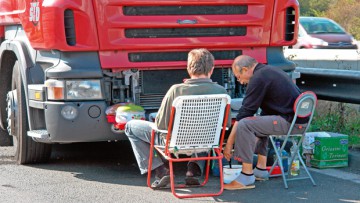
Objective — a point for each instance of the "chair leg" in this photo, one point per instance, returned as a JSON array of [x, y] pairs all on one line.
[[221, 177], [150, 158], [300, 159], [292, 157], [172, 181], [278, 160], [307, 171], [207, 171]]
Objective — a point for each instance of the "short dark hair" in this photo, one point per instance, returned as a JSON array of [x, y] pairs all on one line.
[[200, 62]]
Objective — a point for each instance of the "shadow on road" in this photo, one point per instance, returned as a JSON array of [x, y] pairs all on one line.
[[101, 162], [105, 162]]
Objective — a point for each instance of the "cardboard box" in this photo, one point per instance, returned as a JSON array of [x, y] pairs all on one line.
[[330, 150]]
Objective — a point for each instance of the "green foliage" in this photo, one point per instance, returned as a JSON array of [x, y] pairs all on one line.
[[340, 119], [344, 12], [315, 8]]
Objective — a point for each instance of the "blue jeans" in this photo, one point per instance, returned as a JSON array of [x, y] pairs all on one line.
[[139, 134]]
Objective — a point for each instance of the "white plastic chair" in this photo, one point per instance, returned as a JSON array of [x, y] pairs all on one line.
[[197, 124], [304, 107]]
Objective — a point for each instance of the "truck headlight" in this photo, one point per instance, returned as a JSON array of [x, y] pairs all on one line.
[[73, 89], [84, 89]]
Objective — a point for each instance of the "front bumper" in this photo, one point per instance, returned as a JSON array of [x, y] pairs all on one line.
[[90, 125]]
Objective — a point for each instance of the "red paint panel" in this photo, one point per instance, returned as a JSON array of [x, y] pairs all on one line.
[[278, 24], [10, 10], [100, 26], [49, 32], [2, 32]]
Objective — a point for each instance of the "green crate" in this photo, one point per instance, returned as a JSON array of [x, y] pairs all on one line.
[[330, 151]]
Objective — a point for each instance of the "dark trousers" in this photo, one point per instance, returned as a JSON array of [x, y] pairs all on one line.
[[252, 135]]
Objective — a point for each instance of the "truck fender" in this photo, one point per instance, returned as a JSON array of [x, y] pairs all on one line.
[[25, 62]]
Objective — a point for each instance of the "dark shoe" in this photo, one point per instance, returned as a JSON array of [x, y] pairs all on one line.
[[160, 183], [192, 174], [193, 170], [192, 181], [161, 171]]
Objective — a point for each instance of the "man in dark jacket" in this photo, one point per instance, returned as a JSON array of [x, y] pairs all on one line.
[[271, 90]]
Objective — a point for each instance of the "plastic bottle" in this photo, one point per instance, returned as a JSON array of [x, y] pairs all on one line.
[[285, 162], [283, 155], [295, 166]]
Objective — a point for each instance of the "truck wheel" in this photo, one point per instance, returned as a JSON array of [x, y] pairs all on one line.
[[5, 139], [27, 150]]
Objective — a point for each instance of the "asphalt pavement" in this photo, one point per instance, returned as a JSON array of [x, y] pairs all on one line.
[[107, 172]]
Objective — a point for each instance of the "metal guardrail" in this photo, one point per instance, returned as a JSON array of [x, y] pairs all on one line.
[[345, 59], [333, 75], [331, 84]]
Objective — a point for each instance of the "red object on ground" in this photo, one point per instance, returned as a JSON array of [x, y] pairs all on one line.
[[276, 170]]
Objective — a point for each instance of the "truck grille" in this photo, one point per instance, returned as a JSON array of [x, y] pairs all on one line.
[[184, 32], [152, 101], [184, 10], [152, 94], [146, 25], [179, 56]]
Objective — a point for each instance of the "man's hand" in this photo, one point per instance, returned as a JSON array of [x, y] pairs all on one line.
[[227, 151], [230, 142]]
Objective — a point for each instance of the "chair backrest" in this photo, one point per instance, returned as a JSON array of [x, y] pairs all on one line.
[[304, 106], [198, 120]]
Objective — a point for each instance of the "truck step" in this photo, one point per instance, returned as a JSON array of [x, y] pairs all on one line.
[[43, 134]]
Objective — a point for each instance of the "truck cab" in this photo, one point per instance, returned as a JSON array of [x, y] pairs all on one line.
[[64, 63]]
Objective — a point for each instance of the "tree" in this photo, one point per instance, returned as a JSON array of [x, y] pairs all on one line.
[[346, 13], [315, 8]]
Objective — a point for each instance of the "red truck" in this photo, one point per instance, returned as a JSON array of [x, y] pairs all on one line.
[[64, 62]]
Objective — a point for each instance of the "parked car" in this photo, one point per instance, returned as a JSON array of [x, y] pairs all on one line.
[[323, 33]]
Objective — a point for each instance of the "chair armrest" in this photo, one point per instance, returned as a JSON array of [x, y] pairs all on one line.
[[154, 127]]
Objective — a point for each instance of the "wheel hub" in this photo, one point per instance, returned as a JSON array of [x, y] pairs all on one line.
[[12, 107]]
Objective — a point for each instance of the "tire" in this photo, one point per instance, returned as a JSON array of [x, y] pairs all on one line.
[[27, 150], [5, 139]]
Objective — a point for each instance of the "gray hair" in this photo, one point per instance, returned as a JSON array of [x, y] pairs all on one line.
[[200, 62], [244, 61]]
